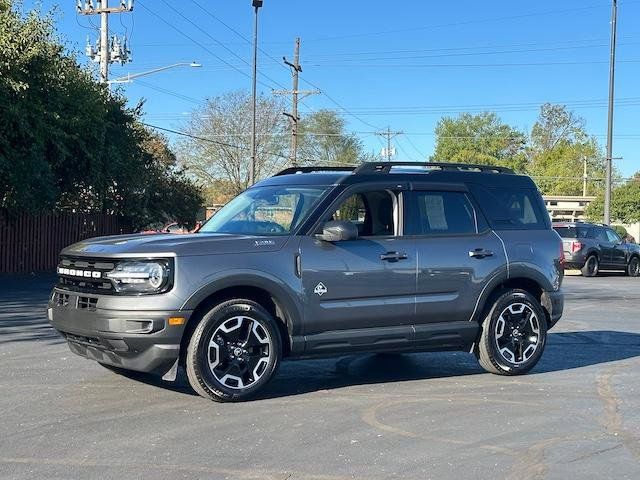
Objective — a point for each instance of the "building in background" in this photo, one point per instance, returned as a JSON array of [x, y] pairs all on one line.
[[568, 208]]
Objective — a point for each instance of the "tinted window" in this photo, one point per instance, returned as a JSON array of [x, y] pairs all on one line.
[[512, 208], [438, 213], [613, 236], [372, 212], [599, 234], [572, 231]]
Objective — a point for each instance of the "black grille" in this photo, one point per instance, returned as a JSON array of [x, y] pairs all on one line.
[[85, 275], [87, 303], [61, 299]]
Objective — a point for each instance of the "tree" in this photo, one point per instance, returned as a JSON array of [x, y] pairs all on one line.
[[323, 140], [67, 144], [481, 138], [219, 149], [625, 203], [558, 148]]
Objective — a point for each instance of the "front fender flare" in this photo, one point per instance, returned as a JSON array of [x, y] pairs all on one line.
[[284, 296]]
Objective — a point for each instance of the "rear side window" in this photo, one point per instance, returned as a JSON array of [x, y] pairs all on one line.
[[441, 213], [572, 231], [512, 208]]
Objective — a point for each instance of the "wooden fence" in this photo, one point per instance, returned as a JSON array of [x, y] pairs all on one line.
[[31, 243]]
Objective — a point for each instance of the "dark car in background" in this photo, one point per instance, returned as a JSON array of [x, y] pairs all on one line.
[[590, 248]]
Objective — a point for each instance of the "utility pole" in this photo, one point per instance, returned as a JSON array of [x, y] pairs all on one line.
[[609, 159], [296, 95], [389, 135], [108, 51], [584, 177], [256, 4]]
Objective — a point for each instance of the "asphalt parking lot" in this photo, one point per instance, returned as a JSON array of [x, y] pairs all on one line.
[[366, 417]]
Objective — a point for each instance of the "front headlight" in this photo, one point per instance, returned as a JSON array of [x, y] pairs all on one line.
[[144, 276]]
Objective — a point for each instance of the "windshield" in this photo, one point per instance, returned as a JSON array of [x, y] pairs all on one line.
[[274, 210]]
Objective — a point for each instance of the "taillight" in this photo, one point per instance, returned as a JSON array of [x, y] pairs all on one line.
[[562, 259], [575, 246]]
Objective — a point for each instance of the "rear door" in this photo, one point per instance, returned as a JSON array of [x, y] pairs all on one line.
[[618, 249], [605, 245], [359, 294], [456, 254]]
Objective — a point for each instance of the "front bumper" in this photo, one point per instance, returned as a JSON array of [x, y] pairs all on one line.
[[553, 303], [140, 340]]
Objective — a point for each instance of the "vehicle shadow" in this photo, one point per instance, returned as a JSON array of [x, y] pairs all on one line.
[[564, 351], [23, 309]]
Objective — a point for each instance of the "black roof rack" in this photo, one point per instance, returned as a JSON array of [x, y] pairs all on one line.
[[293, 170], [385, 167]]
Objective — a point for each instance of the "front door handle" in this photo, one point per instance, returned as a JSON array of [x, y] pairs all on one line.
[[480, 253], [393, 256]]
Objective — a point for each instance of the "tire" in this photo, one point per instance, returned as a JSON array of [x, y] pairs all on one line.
[[591, 267], [505, 350], [633, 269], [233, 352]]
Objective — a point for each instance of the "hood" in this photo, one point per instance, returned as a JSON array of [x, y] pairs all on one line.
[[174, 245]]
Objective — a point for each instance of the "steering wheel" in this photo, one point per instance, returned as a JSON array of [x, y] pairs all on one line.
[[273, 227]]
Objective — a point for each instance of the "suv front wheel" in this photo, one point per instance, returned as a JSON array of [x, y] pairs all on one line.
[[233, 352], [513, 335]]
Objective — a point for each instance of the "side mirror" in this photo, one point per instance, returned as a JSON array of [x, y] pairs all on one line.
[[338, 231]]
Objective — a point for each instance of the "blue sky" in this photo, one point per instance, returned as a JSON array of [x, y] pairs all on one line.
[[401, 64]]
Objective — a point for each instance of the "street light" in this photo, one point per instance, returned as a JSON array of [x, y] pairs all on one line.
[[130, 77], [252, 166]]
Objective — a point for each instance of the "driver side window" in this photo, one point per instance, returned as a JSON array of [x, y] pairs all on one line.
[[613, 237], [373, 212]]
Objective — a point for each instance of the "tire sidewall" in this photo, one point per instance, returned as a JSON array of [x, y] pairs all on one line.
[[501, 303], [197, 352], [596, 268], [631, 271]]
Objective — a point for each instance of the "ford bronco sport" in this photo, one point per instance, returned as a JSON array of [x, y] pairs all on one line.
[[385, 257]]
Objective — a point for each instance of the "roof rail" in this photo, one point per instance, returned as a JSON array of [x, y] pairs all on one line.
[[385, 167], [309, 169]]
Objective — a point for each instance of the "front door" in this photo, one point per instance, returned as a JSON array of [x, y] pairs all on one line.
[[359, 294], [607, 247], [456, 255]]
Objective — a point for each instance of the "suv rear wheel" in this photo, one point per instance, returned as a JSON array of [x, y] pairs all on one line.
[[591, 267], [233, 352], [513, 335], [633, 269]]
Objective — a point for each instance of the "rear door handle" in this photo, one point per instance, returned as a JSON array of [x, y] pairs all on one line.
[[393, 256], [480, 253]]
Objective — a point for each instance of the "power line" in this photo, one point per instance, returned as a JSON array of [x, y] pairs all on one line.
[[467, 65], [278, 62], [215, 142], [414, 146], [218, 42], [168, 92], [196, 42], [464, 22]]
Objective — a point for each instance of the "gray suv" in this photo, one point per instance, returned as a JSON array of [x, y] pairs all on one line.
[[591, 248], [385, 257]]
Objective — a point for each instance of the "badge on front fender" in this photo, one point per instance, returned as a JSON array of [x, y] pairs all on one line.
[[320, 289]]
